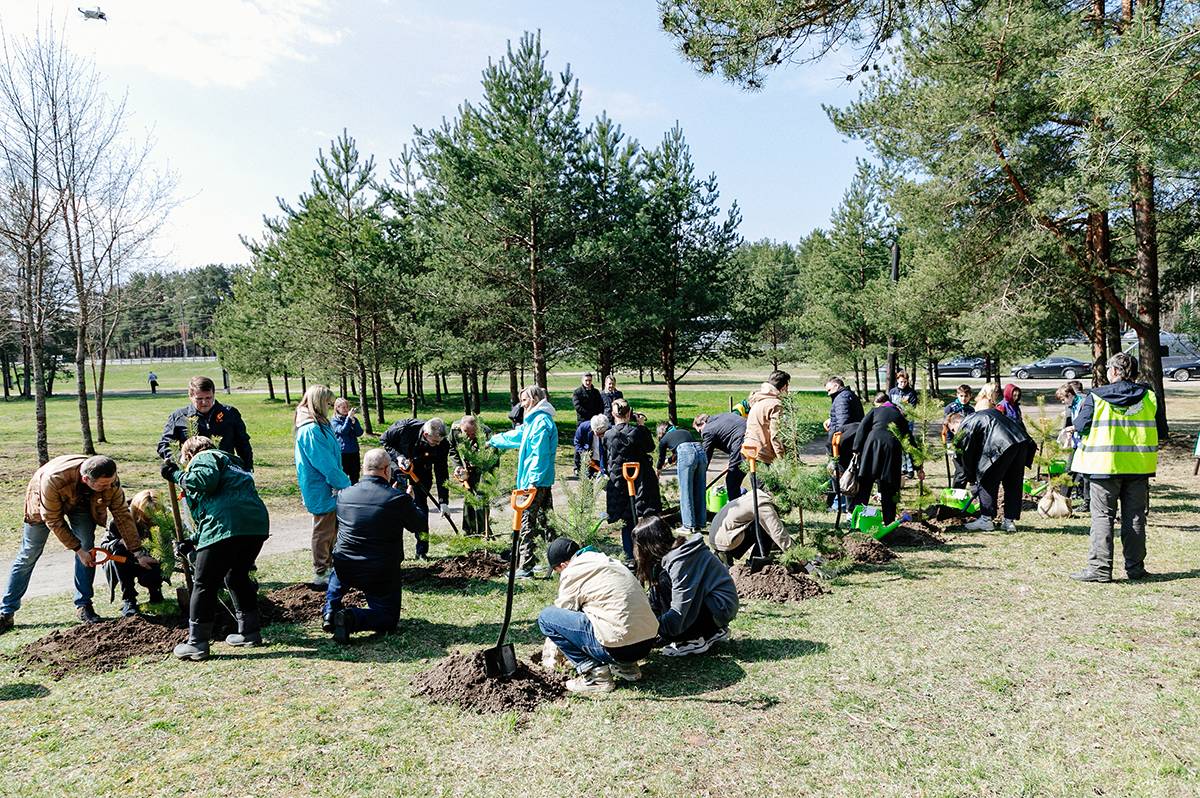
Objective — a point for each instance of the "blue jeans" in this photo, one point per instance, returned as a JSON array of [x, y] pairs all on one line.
[[382, 612], [572, 632], [692, 466], [32, 542]]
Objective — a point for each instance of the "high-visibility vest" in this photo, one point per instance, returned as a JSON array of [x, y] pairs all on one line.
[[1121, 440]]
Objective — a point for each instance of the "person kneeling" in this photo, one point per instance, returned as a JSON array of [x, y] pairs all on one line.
[[732, 530], [691, 592], [231, 526], [371, 519], [127, 571], [601, 620]]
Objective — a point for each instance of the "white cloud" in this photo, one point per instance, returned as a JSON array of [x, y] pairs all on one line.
[[232, 43]]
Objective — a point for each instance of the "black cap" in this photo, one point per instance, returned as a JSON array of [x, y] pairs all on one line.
[[561, 550]]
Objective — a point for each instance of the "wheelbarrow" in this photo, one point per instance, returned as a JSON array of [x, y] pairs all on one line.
[[500, 662]]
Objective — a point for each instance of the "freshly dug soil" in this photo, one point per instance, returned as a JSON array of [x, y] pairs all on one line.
[[478, 564], [866, 550], [104, 646], [299, 603], [774, 583], [915, 534], [942, 513], [460, 679]]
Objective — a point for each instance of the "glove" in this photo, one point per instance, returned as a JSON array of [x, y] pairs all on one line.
[[168, 470], [185, 547], [403, 463], [444, 508]]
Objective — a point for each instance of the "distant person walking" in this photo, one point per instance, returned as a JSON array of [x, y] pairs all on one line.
[[208, 417], [319, 472], [348, 429], [152, 378]]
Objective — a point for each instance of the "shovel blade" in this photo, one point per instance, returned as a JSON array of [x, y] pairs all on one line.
[[184, 597], [500, 662], [759, 563]]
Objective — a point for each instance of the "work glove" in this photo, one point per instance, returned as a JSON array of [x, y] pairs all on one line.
[[444, 508], [403, 463], [168, 470], [185, 547]]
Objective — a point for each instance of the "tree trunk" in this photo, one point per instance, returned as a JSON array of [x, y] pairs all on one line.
[[4, 365], [270, 387], [1096, 334], [81, 396], [538, 311], [466, 391], [514, 390], [303, 382], [485, 386], [437, 388], [1145, 227], [287, 388], [344, 391], [667, 360], [1112, 331], [99, 380], [475, 390]]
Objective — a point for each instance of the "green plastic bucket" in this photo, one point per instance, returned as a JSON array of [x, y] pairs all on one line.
[[1056, 467], [715, 498], [958, 498]]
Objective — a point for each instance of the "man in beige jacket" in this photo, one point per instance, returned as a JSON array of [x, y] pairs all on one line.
[[732, 531], [766, 408], [601, 621], [70, 496]]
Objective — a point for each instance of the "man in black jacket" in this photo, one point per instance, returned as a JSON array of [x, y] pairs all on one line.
[[208, 417], [844, 408], [994, 451], [588, 403], [726, 433], [372, 517]]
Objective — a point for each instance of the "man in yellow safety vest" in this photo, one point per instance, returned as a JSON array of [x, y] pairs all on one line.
[[1118, 452]]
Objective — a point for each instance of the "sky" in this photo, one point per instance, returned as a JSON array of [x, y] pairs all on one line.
[[239, 95]]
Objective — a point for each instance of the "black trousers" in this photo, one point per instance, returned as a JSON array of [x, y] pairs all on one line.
[[352, 465], [733, 480], [1008, 471], [888, 493], [227, 562]]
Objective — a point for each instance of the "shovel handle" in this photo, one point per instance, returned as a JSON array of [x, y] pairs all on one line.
[[520, 501], [835, 443], [750, 453], [104, 555], [410, 472], [630, 472]]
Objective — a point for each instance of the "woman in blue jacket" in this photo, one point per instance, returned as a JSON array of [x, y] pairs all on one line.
[[319, 472], [348, 429]]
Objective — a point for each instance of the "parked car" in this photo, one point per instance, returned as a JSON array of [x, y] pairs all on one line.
[[1180, 369], [961, 367], [1066, 367]]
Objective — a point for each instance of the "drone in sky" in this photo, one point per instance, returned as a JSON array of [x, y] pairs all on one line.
[[94, 13]]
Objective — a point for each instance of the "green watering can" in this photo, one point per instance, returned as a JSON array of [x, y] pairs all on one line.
[[715, 498], [1034, 489], [959, 499], [869, 521], [1056, 467]]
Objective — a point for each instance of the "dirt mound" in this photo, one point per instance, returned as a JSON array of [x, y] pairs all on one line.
[[774, 583], [103, 646], [300, 603], [460, 679], [940, 513], [916, 534], [478, 564], [866, 550]]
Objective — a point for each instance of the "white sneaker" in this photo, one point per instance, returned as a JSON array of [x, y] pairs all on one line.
[[981, 524], [597, 680], [626, 671], [687, 648], [1010, 525]]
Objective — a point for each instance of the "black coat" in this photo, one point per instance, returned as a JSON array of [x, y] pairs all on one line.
[[606, 400], [223, 424], [986, 435], [878, 449], [587, 403], [372, 517], [403, 439], [844, 408], [626, 443], [725, 432]]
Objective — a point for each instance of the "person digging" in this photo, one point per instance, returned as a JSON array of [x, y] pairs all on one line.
[[601, 620], [231, 526], [732, 530]]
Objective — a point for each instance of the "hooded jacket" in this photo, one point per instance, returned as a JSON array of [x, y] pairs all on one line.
[[698, 579], [536, 442], [762, 424], [1122, 393], [56, 491], [318, 464], [984, 436], [844, 408], [609, 595], [222, 498]]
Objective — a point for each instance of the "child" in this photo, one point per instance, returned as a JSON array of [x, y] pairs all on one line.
[[129, 573], [962, 403]]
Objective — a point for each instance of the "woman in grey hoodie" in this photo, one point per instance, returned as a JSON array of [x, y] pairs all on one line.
[[691, 591]]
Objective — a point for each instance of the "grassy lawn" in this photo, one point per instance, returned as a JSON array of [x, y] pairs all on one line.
[[973, 669]]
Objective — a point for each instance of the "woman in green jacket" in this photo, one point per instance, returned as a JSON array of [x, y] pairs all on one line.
[[231, 526]]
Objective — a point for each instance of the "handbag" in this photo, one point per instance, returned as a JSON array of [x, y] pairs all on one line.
[[848, 484]]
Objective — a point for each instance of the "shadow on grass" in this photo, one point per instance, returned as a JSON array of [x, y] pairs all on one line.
[[685, 678], [19, 691], [1170, 576]]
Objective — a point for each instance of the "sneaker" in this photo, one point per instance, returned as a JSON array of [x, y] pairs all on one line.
[[129, 609], [1088, 575], [541, 569], [980, 524], [719, 635], [597, 680], [524, 573], [684, 649], [320, 578], [6, 622], [626, 671], [1010, 525], [327, 621], [87, 614]]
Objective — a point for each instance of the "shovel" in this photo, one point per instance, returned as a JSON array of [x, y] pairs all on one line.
[[183, 595], [946, 452], [836, 444], [760, 558], [102, 556], [411, 473], [501, 662], [630, 471]]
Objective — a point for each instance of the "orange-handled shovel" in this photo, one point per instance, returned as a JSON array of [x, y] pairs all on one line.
[[501, 662]]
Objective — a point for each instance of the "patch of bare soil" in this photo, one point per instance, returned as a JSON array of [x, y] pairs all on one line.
[[299, 603], [478, 564], [916, 534], [774, 583], [104, 646], [866, 550], [461, 679]]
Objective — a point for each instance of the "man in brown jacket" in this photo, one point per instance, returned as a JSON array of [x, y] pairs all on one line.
[[766, 408], [70, 496]]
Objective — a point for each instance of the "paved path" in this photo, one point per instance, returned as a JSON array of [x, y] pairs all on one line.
[[55, 571]]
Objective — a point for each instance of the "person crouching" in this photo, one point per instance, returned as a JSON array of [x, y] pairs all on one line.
[[231, 526], [691, 591], [128, 571], [601, 620], [371, 519]]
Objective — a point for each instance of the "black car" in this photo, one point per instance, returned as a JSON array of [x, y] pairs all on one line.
[[961, 367], [1066, 367], [1180, 369]]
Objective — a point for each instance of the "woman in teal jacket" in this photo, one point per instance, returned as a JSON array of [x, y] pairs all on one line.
[[231, 525], [536, 442], [319, 472]]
